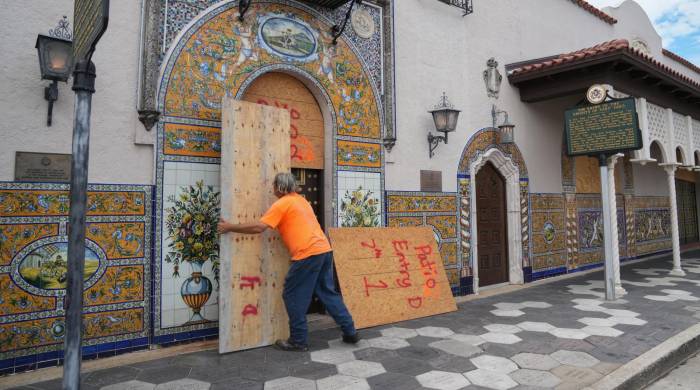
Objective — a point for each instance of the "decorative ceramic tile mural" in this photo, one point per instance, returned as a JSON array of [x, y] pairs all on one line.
[[652, 219], [359, 199], [548, 231], [181, 12], [189, 271], [590, 229], [33, 266], [435, 209], [217, 54]]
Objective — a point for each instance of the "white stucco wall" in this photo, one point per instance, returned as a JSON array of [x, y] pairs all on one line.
[[439, 50], [113, 156]]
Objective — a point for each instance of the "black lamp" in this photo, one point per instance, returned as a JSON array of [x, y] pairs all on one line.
[[445, 120], [56, 64]]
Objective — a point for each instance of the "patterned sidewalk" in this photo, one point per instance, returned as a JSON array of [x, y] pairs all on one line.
[[559, 335]]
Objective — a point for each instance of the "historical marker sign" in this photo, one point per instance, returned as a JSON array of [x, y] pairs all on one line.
[[90, 22], [606, 128], [46, 167]]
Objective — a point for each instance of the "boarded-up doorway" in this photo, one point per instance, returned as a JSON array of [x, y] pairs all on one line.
[[282, 90], [491, 226]]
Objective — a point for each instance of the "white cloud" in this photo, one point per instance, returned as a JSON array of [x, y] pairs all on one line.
[[673, 19]]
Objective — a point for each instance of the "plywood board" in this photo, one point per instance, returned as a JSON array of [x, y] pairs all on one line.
[[255, 147], [307, 128], [388, 275]]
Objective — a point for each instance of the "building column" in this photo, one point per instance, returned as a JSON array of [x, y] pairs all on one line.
[[670, 169], [619, 291]]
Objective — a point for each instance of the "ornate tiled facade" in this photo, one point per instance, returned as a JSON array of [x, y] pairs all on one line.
[[548, 231], [652, 221], [33, 245], [435, 209], [211, 53], [478, 144]]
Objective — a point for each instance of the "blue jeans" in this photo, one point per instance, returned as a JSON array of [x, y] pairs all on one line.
[[313, 275]]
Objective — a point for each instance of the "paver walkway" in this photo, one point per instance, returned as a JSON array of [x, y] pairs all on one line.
[[557, 335]]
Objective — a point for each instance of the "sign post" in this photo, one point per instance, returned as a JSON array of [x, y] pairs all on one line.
[[602, 129], [90, 18], [607, 229]]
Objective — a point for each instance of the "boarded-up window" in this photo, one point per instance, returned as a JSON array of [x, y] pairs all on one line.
[[431, 180]]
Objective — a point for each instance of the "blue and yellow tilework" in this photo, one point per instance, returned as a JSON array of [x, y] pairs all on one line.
[[33, 265]]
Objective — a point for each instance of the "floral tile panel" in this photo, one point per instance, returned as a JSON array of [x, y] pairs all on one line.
[[189, 260], [359, 199]]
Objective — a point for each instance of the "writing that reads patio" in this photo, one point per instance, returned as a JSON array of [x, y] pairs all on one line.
[[390, 274]]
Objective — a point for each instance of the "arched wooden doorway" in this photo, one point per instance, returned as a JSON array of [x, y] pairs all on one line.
[[307, 130], [491, 226]]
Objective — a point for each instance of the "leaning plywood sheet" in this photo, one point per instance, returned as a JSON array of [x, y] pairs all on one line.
[[390, 274], [255, 147]]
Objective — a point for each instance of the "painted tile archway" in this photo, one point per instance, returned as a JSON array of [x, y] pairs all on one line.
[[217, 55], [478, 145]]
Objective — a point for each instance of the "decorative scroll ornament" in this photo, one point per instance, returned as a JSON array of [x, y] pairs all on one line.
[[492, 78], [62, 30]]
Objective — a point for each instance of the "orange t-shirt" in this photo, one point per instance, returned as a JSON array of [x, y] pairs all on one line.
[[293, 216]]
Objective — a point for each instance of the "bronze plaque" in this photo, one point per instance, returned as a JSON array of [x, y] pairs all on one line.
[[610, 127], [42, 167]]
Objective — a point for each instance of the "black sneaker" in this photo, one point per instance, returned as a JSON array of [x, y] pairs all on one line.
[[286, 345], [351, 339]]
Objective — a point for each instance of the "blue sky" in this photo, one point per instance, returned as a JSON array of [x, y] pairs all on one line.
[[677, 21]]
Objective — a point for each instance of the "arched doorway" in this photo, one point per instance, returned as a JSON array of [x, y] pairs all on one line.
[[307, 130], [491, 226], [307, 137]]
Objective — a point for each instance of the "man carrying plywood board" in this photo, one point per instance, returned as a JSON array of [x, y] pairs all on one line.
[[311, 271]]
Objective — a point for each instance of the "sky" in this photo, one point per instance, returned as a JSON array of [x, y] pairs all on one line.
[[677, 21]]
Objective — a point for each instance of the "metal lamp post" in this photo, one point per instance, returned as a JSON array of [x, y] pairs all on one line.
[[56, 64], [445, 119]]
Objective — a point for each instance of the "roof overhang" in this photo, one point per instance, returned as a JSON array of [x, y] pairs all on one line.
[[327, 3], [624, 70]]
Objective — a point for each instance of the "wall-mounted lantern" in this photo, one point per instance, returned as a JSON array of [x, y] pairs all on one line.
[[55, 60], [506, 128], [445, 120]]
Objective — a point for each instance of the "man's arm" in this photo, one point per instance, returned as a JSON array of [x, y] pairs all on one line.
[[245, 228]]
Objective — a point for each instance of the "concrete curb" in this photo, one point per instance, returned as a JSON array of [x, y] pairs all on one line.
[[653, 364]]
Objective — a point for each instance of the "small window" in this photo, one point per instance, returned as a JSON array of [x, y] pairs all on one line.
[[431, 181]]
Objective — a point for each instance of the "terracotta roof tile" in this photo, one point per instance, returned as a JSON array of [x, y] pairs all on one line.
[[681, 60], [595, 11], [617, 45]]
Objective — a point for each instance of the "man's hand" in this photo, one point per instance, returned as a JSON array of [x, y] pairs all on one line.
[[223, 226]]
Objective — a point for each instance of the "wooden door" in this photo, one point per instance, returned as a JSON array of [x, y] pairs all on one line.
[[310, 183], [491, 226], [687, 211], [255, 147]]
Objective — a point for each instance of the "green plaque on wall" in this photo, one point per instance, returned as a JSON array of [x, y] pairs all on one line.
[[605, 128]]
